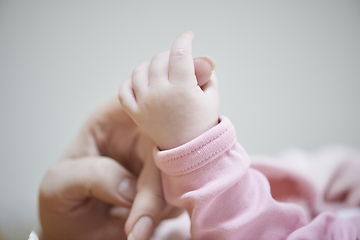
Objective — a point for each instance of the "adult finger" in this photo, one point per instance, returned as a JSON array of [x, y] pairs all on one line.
[[181, 63], [148, 205], [69, 183]]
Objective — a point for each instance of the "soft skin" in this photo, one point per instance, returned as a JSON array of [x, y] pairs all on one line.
[[167, 100], [207, 172], [164, 99], [80, 197]]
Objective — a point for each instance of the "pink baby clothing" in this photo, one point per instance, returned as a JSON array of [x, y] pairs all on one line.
[[227, 197]]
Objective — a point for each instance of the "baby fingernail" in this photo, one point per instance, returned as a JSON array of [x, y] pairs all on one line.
[[210, 60], [142, 229], [127, 189]]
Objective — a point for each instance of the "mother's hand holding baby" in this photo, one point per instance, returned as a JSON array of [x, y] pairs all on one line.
[[106, 171]]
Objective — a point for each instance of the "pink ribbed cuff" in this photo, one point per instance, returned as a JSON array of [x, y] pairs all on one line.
[[198, 152]]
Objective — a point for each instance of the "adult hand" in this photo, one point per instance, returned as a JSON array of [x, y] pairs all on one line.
[[88, 193]]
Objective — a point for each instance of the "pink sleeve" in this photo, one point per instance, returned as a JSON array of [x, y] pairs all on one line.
[[226, 199]]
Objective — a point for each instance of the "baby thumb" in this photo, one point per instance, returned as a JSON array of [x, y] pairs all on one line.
[[203, 69]]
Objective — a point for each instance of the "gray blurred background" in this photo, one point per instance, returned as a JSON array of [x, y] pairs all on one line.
[[289, 74]]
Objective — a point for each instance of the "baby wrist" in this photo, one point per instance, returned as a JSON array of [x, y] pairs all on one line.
[[177, 139], [197, 152]]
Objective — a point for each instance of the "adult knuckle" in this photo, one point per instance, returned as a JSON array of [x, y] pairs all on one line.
[[50, 178], [49, 174], [98, 170], [156, 199]]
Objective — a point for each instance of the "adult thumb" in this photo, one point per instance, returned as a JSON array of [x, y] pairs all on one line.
[[149, 206], [66, 184]]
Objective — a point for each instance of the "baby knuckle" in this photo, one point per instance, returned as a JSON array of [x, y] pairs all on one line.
[[178, 52], [121, 97], [99, 170], [160, 55], [136, 72], [157, 56]]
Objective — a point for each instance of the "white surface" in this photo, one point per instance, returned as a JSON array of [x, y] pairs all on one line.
[[33, 236], [289, 75]]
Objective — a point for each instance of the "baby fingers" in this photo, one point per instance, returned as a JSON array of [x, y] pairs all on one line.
[[159, 68], [127, 96], [181, 63], [140, 79]]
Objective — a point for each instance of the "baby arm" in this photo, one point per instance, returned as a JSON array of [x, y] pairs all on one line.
[[203, 168]]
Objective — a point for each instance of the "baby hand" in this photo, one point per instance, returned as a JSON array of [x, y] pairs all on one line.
[[164, 99]]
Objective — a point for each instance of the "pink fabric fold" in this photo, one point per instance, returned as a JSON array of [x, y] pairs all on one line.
[[211, 177]]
